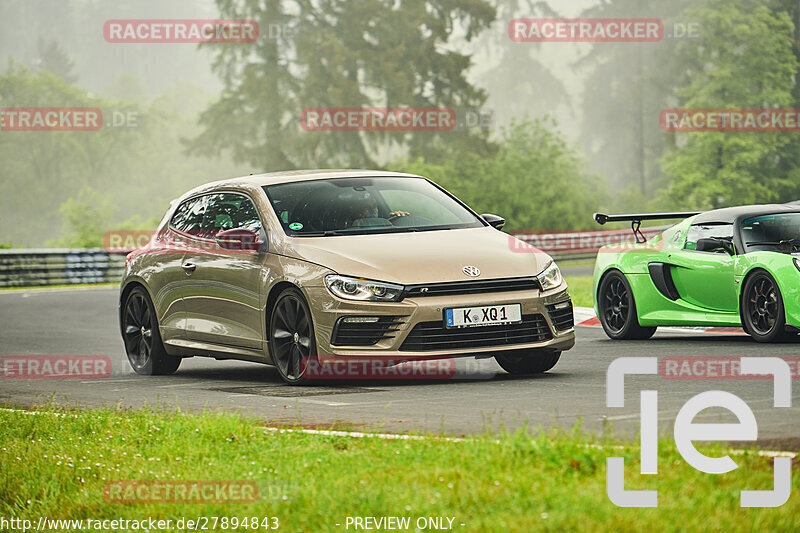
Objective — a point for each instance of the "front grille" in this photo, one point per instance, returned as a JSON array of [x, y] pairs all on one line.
[[473, 287], [364, 333], [427, 336], [561, 318]]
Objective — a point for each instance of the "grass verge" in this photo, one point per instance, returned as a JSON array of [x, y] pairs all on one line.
[[58, 465], [580, 290]]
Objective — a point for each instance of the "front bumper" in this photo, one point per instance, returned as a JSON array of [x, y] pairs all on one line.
[[327, 310]]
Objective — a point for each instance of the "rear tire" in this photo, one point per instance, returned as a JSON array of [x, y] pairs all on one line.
[[528, 362], [618, 309], [142, 339], [763, 315]]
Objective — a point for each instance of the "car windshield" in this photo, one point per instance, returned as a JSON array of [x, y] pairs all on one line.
[[346, 206], [777, 233]]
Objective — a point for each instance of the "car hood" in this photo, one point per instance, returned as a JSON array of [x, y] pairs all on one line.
[[422, 257]]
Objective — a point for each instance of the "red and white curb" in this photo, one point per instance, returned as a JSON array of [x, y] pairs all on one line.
[[585, 316]]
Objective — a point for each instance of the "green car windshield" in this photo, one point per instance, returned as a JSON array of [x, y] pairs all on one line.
[[348, 206], [776, 233]]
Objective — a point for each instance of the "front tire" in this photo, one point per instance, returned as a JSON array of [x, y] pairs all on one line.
[[763, 316], [143, 344], [530, 362], [291, 337], [618, 309]]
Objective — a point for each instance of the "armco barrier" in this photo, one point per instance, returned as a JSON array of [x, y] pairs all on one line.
[[563, 245], [28, 267]]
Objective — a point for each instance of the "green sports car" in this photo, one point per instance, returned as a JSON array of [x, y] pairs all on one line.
[[737, 266]]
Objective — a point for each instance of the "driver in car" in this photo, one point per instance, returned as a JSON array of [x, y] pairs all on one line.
[[366, 207]]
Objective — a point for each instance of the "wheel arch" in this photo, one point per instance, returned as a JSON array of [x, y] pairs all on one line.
[[596, 291], [755, 269], [127, 288], [272, 297]]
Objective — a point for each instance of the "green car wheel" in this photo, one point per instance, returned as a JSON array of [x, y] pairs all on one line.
[[764, 317], [618, 309]]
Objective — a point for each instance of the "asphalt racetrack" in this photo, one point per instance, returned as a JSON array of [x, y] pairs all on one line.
[[84, 322]]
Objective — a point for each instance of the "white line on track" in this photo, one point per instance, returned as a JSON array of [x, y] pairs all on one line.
[[399, 436]]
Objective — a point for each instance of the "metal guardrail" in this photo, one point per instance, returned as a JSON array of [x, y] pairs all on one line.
[[58, 266], [30, 267], [65, 266]]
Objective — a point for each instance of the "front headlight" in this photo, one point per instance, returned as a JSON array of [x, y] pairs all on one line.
[[550, 277], [797, 262], [362, 289]]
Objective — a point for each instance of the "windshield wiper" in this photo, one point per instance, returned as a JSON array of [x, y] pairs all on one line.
[[319, 233]]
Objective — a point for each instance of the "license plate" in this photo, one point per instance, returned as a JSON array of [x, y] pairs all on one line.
[[486, 315]]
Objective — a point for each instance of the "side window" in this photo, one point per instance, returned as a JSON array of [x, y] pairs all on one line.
[[708, 231], [229, 211], [189, 215]]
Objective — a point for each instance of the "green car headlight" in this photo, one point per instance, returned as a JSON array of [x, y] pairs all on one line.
[[363, 289], [797, 262], [550, 277]]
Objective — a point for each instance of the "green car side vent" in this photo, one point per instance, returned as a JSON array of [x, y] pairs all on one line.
[[661, 275]]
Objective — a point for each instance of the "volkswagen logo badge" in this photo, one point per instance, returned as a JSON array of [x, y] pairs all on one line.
[[471, 271]]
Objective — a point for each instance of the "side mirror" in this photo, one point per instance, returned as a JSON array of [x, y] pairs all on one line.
[[713, 243], [239, 239], [494, 220]]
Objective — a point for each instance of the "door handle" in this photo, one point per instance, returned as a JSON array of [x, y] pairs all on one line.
[[188, 267]]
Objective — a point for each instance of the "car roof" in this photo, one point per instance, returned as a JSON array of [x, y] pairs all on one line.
[[286, 176], [253, 182], [729, 215]]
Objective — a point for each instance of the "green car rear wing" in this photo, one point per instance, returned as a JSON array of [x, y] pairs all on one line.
[[636, 219]]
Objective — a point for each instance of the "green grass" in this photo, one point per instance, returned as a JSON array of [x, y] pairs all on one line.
[[580, 290], [58, 466]]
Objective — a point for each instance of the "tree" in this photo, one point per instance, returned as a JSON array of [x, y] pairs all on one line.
[[628, 84], [535, 181], [137, 162], [744, 59], [86, 218], [518, 78], [53, 59], [336, 53]]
